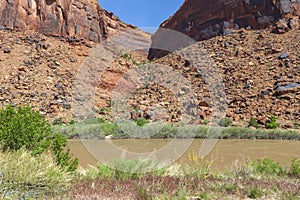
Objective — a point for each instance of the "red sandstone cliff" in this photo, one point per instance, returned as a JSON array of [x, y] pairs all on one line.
[[204, 19], [65, 18]]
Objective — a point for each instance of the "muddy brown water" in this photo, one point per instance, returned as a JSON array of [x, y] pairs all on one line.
[[225, 154]]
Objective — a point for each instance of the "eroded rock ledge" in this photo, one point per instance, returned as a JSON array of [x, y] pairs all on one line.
[[62, 18], [204, 19]]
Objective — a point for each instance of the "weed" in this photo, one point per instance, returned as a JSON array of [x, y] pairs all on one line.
[[295, 167], [272, 124], [204, 196], [198, 168], [205, 122], [296, 125], [142, 194], [253, 123], [229, 187], [255, 192]]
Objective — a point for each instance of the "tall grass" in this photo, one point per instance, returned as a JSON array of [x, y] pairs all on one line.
[[23, 175], [124, 169]]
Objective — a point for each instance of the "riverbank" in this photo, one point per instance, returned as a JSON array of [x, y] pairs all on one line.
[[127, 179], [94, 129]]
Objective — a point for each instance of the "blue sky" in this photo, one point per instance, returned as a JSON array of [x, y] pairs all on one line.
[[142, 13]]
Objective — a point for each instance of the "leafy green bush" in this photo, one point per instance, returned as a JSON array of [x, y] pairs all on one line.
[[225, 122], [295, 167], [267, 167], [272, 124], [253, 122], [25, 128], [58, 147], [24, 174]]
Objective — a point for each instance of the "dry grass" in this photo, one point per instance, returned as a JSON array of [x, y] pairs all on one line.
[[25, 175]]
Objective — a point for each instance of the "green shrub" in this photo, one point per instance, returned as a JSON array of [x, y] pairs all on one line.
[[105, 171], [205, 122], [111, 129], [167, 131], [267, 167], [295, 167], [72, 121], [253, 122], [202, 132], [142, 122], [296, 125], [204, 196], [25, 128], [225, 122], [272, 124], [24, 174], [58, 147]]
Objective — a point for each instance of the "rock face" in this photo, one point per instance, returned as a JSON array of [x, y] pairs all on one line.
[[204, 19], [63, 18]]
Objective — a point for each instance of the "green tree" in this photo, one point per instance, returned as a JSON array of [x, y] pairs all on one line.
[[25, 128]]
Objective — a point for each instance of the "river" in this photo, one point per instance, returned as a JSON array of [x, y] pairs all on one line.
[[225, 153]]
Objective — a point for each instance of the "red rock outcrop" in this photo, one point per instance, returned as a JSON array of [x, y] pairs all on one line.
[[63, 18], [204, 19]]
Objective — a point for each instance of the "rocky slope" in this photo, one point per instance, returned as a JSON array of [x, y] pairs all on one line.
[[260, 71], [204, 19], [42, 47], [62, 18]]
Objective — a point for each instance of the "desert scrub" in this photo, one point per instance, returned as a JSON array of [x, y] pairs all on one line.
[[23, 175], [272, 124], [255, 192], [142, 122], [95, 129], [253, 122], [267, 167], [225, 122], [23, 127], [295, 168], [124, 170]]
